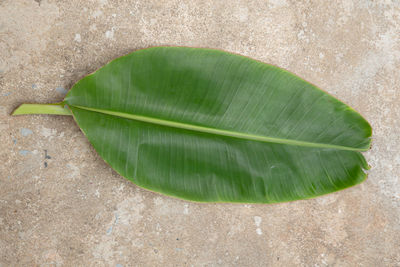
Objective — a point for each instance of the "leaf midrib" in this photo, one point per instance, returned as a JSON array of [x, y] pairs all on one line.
[[203, 129]]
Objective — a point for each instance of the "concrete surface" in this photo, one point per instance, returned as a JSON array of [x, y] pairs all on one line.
[[61, 205]]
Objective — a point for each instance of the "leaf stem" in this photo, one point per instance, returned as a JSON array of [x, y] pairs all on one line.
[[54, 109]]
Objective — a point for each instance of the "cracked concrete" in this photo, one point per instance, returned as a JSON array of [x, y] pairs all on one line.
[[62, 205]]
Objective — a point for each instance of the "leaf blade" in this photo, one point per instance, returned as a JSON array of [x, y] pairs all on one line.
[[206, 125]]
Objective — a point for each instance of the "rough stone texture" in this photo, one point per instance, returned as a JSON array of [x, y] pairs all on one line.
[[79, 212]]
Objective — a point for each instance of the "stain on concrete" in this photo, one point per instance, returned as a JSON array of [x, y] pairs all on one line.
[[257, 222], [24, 152], [77, 39], [109, 230], [26, 131], [62, 90], [46, 155]]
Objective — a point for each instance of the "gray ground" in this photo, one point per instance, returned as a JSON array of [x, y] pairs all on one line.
[[77, 211]]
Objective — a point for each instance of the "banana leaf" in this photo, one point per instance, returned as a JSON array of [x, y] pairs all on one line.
[[210, 126]]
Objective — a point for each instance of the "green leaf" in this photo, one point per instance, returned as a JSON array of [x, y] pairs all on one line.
[[207, 125]]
